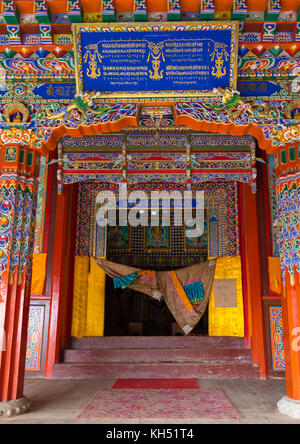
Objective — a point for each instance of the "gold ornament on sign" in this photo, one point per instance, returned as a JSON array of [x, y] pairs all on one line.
[[156, 52], [219, 55], [93, 57]]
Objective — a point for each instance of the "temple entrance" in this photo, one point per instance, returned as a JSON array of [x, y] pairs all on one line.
[[106, 319], [101, 310], [131, 313]]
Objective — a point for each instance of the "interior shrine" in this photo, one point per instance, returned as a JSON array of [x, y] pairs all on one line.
[[165, 96]]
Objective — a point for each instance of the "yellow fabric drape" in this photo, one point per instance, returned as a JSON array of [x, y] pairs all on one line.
[[80, 294], [88, 298], [274, 274], [39, 264], [228, 321], [96, 300]]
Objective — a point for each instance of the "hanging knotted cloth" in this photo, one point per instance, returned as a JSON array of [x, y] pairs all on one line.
[[124, 281], [186, 291], [187, 307], [143, 281]]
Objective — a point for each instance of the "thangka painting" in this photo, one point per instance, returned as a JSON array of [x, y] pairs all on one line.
[[157, 238], [118, 238], [196, 242]]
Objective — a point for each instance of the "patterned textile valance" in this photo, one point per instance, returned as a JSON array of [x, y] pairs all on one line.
[[171, 158]]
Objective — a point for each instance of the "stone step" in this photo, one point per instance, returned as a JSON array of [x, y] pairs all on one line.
[[158, 355], [151, 370], [156, 342]]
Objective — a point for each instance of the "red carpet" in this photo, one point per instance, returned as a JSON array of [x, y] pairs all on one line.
[[150, 383], [160, 405]]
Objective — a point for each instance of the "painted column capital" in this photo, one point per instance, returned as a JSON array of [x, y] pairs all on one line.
[[20, 159], [287, 160], [22, 135]]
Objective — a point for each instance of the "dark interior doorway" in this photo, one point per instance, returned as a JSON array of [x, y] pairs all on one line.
[[130, 313]]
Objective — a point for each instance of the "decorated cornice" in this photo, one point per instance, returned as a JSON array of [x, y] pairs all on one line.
[[52, 34], [90, 11], [42, 125]]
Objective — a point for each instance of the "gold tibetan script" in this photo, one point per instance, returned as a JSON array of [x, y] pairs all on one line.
[[92, 56]]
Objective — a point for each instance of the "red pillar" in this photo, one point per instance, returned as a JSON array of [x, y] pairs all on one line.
[[19, 168], [55, 322], [254, 280], [70, 259], [244, 263]]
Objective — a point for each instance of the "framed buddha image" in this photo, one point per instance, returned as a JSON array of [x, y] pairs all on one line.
[[197, 242], [118, 238], [157, 238]]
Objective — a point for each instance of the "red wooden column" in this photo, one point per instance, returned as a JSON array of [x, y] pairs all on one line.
[[242, 230], [288, 198], [70, 259], [254, 279], [19, 168], [58, 274]]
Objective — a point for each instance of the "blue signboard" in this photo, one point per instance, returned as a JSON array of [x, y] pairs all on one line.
[[56, 90], [257, 88], [157, 59]]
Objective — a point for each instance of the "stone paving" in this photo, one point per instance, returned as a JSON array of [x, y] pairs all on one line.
[[61, 401]]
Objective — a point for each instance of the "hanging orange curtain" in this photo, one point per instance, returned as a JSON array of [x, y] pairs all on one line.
[[39, 264], [274, 274]]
